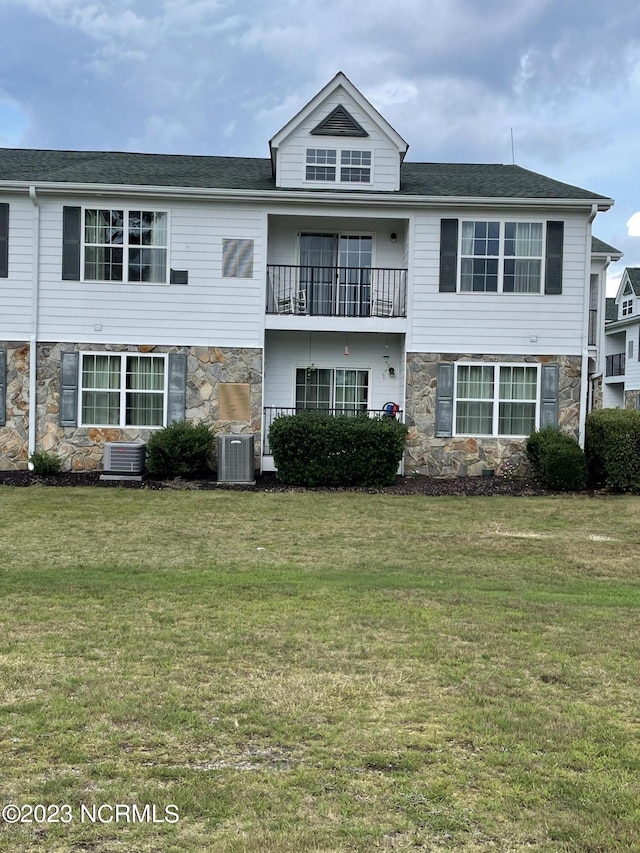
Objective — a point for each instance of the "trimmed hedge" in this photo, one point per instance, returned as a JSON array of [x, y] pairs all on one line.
[[613, 449], [557, 459], [180, 450], [317, 449]]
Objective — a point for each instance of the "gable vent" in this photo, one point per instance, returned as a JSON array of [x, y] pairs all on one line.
[[235, 459], [339, 123]]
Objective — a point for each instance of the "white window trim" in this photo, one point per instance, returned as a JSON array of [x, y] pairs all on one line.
[[123, 380], [125, 265], [338, 167], [501, 257], [496, 396]]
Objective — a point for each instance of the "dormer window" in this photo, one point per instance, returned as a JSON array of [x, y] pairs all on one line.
[[321, 164], [355, 166], [627, 307]]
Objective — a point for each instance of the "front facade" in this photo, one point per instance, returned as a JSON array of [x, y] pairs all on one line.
[[142, 289]]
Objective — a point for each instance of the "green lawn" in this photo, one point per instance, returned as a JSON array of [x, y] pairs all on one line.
[[302, 672]]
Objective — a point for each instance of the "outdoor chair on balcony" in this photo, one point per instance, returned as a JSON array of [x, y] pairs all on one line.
[[294, 303], [381, 307]]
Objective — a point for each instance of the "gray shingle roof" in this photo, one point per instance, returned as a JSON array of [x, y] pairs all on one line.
[[610, 309], [599, 247], [634, 278], [248, 173]]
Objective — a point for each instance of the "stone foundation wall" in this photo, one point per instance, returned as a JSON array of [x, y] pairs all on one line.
[[597, 393], [631, 399], [460, 457], [14, 449], [81, 448]]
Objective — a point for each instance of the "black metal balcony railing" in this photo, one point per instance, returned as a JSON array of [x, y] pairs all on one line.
[[336, 291], [273, 412], [615, 364]]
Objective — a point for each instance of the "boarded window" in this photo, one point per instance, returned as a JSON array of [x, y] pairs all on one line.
[[237, 258]]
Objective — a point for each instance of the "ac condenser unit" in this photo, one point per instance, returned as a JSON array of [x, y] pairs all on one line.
[[235, 459], [124, 457]]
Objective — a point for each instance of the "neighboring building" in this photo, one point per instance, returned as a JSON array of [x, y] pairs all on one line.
[[621, 354], [140, 289]]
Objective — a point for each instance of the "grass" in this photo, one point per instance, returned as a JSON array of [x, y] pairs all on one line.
[[320, 672]]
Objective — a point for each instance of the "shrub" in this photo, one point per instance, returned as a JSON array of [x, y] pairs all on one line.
[[45, 464], [317, 449], [613, 449], [180, 450], [557, 459]]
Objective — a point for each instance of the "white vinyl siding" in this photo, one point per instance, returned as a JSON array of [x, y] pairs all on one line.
[[506, 323], [15, 317], [210, 310]]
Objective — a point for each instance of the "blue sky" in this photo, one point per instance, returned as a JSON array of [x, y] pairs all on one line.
[[453, 77]]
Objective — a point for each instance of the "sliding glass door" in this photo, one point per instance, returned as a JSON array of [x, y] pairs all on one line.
[[336, 274]]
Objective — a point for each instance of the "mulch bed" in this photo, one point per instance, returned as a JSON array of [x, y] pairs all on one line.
[[418, 485]]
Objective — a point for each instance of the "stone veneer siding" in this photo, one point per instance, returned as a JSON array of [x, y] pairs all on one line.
[[81, 448], [460, 457], [14, 450], [631, 399]]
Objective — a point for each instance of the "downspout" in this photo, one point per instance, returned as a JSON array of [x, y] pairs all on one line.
[[33, 339], [584, 377]]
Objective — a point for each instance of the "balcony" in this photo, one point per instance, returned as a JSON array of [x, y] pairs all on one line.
[[273, 412], [615, 365], [336, 291]]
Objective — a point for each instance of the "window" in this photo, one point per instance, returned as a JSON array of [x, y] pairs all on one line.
[[630, 349], [501, 257], [237, 258], [127, 246], [355, 166], [496, 399], [123, 389], [627, 307], [346, 391], [321, 165]]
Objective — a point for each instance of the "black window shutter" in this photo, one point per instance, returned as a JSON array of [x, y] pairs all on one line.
[[3, 387], [448, 255], [444, 399], [177, 397], [71, 228], [550, 392], [553, 267], [69, 389], [4, 240]]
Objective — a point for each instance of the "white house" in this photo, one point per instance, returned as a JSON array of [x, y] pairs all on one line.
[[138, 289], [621, 354]]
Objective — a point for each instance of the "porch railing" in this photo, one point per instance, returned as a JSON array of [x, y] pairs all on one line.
[[336, 291], [273, 412], [615, 364]]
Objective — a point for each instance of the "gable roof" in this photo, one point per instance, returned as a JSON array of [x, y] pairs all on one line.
[[633, 274], [180, 171], [611, 309], [339, 81]]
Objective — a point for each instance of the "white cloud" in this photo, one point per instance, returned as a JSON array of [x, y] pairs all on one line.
[[633, 225]]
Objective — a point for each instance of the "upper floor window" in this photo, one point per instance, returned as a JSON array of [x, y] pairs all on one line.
[[501, 257], [627, 307], [355, 166], [125, 245], [321, 164]]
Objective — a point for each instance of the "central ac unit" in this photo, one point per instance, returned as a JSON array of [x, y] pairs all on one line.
[[235, 459], [124, 457]]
